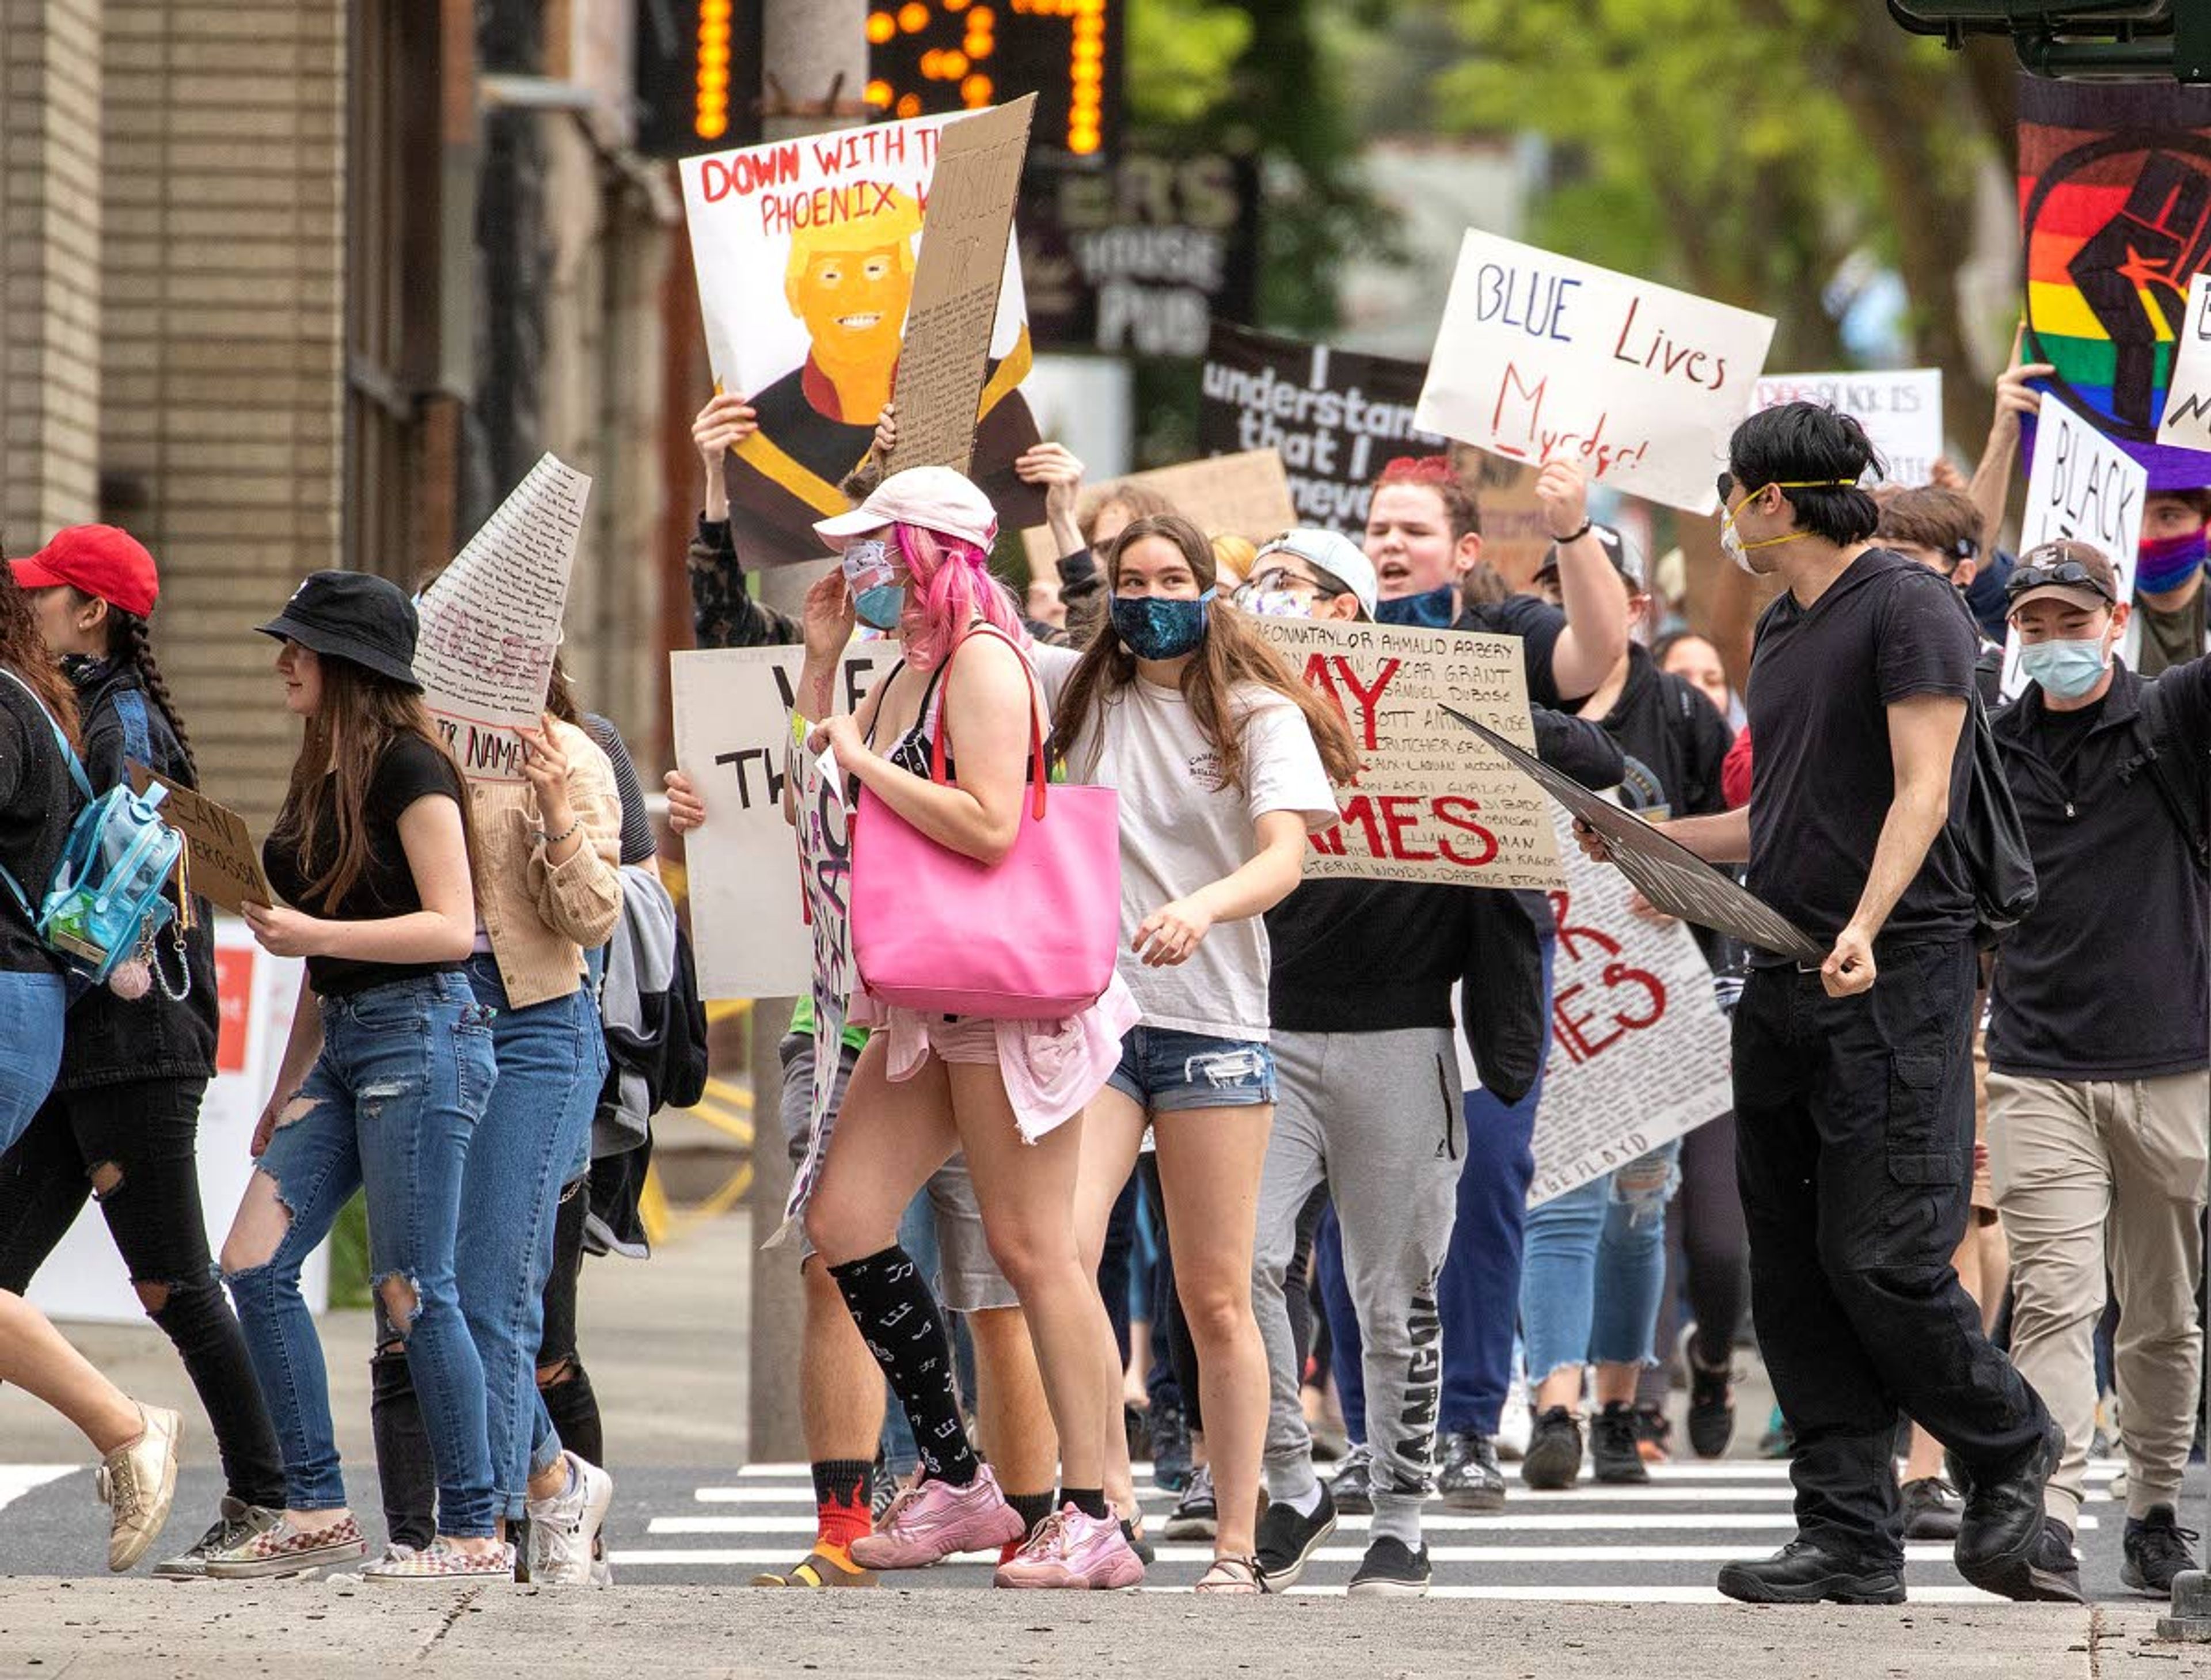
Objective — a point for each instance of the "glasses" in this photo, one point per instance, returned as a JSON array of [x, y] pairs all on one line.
[[2026, 577], [1276, 579]]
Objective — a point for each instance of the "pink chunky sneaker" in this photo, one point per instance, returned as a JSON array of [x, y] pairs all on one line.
[[931, 1520], [1069, 1549]]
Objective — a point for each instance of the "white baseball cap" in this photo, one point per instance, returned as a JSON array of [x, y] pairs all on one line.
[[1332, 553], [935, 498]]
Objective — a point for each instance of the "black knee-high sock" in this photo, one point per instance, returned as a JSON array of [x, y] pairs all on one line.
[[897, 1319]]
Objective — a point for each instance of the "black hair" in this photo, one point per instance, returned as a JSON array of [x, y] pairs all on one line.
[[1809, 444], [130, 641]]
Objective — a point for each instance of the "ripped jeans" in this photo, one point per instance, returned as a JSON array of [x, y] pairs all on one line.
[[390, 1107], [1594, 1268]]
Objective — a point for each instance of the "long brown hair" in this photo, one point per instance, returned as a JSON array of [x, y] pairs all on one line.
[[1232, 654], [361, 715], [23, 650]]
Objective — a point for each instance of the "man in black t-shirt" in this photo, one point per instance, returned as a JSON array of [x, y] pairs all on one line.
[[1853, 1080]]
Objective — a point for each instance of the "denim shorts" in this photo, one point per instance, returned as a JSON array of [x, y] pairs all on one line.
[[1164, 1070]]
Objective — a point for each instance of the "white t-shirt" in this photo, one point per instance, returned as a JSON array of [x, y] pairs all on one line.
[[1179, 832]]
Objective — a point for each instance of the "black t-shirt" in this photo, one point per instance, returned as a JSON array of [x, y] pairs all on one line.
[[38, 803], [410, 769], [1821, 680]]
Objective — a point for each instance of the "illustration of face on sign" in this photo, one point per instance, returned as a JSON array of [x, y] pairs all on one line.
[[2115, 200], [805, 252]]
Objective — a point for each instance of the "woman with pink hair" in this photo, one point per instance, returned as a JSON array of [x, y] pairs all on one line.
[[1008, 1094]]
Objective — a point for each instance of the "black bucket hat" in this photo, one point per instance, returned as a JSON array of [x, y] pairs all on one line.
[[352, 615]]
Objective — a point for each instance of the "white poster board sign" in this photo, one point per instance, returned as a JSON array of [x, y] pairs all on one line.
[[2083, 487], [1901, 411], [491, 623], [1542, 358], [84, 1278], [2187, 422], [732, 724], [1638, 1046]]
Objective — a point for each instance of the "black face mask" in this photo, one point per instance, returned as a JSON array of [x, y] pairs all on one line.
[[1432, 609]]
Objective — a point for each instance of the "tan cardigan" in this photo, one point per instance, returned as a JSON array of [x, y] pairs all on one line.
[[541, 919]]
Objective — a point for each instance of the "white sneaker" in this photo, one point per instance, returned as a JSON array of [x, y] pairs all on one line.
[[563, 1529], [137, 1483], [1517, 1424]]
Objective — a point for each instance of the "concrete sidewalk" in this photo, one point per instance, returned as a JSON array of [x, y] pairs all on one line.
[[664, 1341], [341, 1629]]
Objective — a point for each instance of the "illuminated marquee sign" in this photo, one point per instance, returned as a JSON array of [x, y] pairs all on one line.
[[930, 56]]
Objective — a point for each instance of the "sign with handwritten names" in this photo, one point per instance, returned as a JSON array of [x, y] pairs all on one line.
[[1542, 358], [491, 623], [1423, 807]]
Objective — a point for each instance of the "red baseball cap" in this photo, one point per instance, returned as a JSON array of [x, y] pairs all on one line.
[[98, 560]]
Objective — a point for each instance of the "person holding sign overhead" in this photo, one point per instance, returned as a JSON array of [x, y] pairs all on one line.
[[384, 1077], [1853, 1079], [123, 1121]]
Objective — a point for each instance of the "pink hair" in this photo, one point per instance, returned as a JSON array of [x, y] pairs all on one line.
[[952, 587]]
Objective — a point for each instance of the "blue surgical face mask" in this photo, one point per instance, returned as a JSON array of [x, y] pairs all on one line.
[[1432, 609], [1154, 629], [878, 603], [880, 607], [2064, 668]]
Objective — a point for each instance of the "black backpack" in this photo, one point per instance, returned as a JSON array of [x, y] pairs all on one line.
[[1992, 837], [2178, 776]]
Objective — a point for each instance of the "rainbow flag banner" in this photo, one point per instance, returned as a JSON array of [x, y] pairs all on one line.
[[2115, 207]]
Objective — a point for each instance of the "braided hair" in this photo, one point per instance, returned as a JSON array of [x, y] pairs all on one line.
[[130, 640]]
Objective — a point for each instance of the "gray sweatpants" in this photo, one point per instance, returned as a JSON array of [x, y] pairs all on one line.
[[1377, 1116]]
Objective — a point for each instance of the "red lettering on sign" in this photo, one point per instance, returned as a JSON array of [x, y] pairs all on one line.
[[1367, 697], [1569, 1026], [1617, 974], [1455, 811], [1398, 819]]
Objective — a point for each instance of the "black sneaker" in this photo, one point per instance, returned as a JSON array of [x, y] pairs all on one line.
[[1553, 1459], [1170, 1449], [1391, 1569], [2001, 1527], [238, 1523], [1711, 1401], [1468, 1478], [1351, 1486], [1805, 1573], [2056, 1570], [1287, 1540], [1195, 1517], [1931, 1509], [1133, 1532], [2157, 1550], [1613, 1455]]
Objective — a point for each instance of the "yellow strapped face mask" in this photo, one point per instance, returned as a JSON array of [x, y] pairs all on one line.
[[1735, 546]]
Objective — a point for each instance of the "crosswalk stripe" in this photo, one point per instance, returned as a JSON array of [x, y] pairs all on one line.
[[1432, 1522]]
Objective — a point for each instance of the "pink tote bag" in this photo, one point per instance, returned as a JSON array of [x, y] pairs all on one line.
[[1032, 938]]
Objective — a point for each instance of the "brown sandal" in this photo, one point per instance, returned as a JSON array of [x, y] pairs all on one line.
[[1233, 1574]]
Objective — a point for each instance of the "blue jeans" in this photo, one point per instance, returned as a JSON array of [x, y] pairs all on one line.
[[390, 1107], [33, 1005], [552, 1063], [1478, 1296], [1596, 1267]]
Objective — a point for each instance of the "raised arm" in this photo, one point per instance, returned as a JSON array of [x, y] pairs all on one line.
[[1597, 610]]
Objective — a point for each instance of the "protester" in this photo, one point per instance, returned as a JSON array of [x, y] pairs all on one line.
[[1595, 1265], [1853, 1114], [925, 1087], [2098, 1033], [545, 851], [1361, 1005], [386, 1075], [1224, 760], [2169, 578], [123, 1121], [1685, 654], [840, 1394]]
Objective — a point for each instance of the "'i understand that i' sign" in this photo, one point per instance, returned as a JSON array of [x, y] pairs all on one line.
[[1541, 358]]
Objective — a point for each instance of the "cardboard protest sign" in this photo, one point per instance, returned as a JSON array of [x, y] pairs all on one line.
[[491, 623], [2187, 421], [1901, 412], [223, 860], [1140, 256], [1423, 807], [732, 723], [825, 853], [1247, 495], [2086, 487], [956, 281], [806, 253], [1638, 1046], [2115, 208], [1542, 358], [1516, 532], [1334, 417], [1663, 870]]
